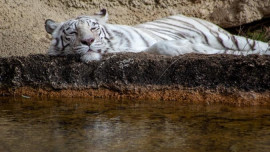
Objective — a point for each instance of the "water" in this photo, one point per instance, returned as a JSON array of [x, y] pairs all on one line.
[[58, 125]]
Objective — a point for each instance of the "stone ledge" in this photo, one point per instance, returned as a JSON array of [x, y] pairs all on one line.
[[187, 78]]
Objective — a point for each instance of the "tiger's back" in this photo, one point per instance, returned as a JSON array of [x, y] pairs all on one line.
[[180, 27]]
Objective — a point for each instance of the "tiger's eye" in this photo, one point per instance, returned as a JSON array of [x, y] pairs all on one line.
[[93, 28]]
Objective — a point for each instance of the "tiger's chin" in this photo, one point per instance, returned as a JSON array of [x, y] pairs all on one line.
[[90, 56]]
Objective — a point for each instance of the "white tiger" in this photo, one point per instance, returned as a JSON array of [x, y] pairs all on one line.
[[91, 37]]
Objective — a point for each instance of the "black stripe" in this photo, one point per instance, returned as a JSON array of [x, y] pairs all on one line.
[[103, 32], [126, 37], [64, 31], [220, 40], [250, 46], [88, 22], [107, 32], [224, 32], [64, 46], [149, 30], [183, 22], [235, 41], [253, 45], [172, 34], [109, 42], [76, 26], [215, 34], [110, 37], [120, 35], [199, 33], [71, 23], [128, 33], [189, 24], [100, 32], [73, 32], [66, 38], [145, 42], [62, 42]]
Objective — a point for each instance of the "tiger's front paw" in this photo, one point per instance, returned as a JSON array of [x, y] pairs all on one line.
[[92, 56]]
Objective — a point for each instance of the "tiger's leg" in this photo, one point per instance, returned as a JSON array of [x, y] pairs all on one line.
[[220, 39], [249, 46], [178, 47], [239, 45]]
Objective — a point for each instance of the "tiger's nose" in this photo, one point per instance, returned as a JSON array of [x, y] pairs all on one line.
[[88, 41]]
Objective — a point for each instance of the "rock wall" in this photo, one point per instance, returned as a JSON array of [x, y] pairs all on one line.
[[189, 78], [22, 21]]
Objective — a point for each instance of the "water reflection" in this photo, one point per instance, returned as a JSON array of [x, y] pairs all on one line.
[[99, 125]]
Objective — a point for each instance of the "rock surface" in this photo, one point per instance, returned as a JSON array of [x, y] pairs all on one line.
[[22, 22], [188, 78]]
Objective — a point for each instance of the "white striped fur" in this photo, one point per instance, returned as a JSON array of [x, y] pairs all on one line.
[[91, 37]]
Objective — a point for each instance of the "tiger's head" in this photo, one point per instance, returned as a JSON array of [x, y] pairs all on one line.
[[83, 35]]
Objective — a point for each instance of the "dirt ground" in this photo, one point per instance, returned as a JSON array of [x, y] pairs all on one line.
[[22, 21]]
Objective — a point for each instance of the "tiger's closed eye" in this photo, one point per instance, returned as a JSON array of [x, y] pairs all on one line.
[[93, 28]]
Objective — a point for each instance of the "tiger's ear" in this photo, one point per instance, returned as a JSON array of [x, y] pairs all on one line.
[[102, 16], [50, 26]]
